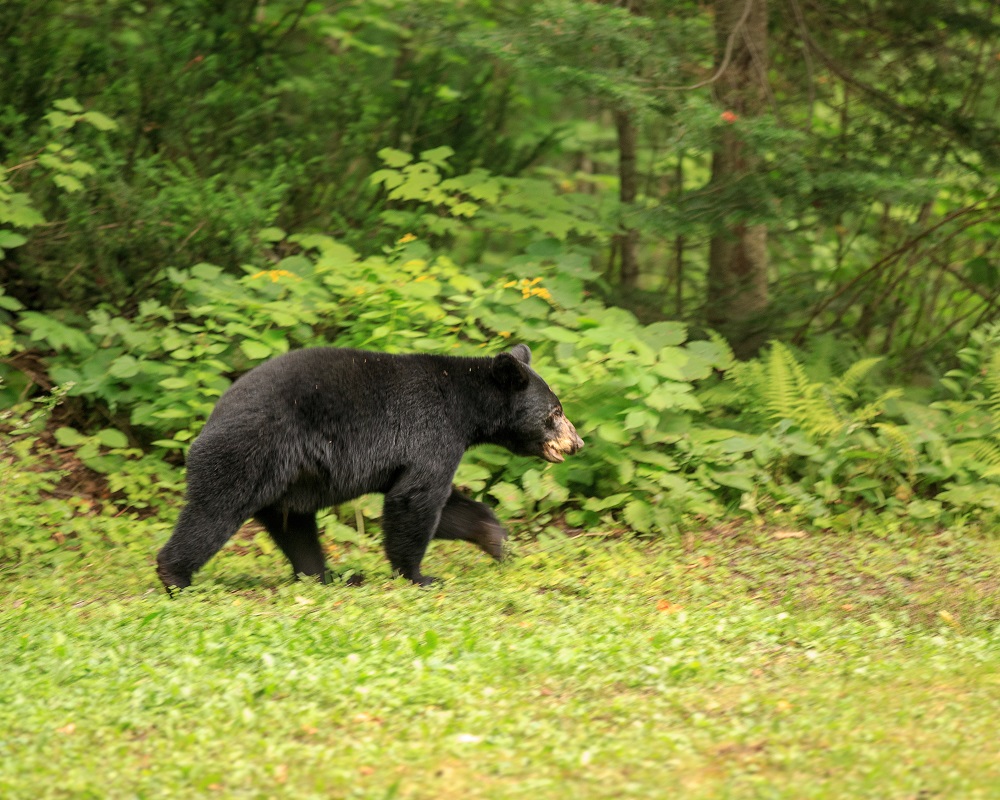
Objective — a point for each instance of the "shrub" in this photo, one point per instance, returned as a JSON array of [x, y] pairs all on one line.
[[629, 385]]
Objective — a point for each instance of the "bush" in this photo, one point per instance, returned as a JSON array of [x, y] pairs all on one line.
[[629, 385]]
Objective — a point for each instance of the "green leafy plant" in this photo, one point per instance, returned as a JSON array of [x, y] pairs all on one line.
[[630, 385], [60, 160], [964, 441], [478, 200]]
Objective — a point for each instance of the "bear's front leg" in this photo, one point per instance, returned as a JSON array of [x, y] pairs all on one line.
[[410, 516]]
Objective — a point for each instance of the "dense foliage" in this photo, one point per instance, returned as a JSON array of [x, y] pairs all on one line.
[[191, 188]]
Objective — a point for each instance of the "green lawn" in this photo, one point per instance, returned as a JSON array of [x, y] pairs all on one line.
[[731, 665]]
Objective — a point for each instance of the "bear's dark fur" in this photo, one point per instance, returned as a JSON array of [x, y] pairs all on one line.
[[315, 428]]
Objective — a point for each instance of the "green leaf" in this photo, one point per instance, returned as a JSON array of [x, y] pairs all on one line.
[[740, 444], [100, 121], [713, 351], [44, 328], [16, 209], [532, 483], [60, 121], [112, 437], [641, 418], [613, 433], [271, 235], [207, 272], [672, 395], [256, 350], [465, 209], [9, 303], [173, 413], [464, 283], [67, 182], [69, 104], [604, 503], [438, 156], [394, 158], [421, 289], [639, 516], [69, 437], [559, 334], [9, 239], [420, 179], [447, 94], [170, 444], [671, 364], [510, 497], [664, 334], [734, 479], [124, 367], [390, 178], [175, 383]]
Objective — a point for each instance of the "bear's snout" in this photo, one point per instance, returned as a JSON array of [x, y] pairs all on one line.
[[566, 442]]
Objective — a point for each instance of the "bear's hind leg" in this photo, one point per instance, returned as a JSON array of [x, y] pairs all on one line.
[[469, 521], [199, 534], [298, 537]]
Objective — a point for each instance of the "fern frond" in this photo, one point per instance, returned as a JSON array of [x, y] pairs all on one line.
[[788, 392], [820, 409], [900, 446], [987, 453], [875, 408], [720, 341], [748, 375], [992, 381], [846, 385]]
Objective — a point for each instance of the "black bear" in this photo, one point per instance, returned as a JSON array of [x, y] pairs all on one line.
[[314, 428]]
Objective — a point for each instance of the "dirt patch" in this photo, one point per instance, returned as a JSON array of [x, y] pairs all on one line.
[[934, 578]]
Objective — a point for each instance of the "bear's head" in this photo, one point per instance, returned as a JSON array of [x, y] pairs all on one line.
[[536, 425]]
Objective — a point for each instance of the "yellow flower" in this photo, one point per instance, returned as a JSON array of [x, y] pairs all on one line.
[[406, 239], [529, 288], [504, 334], [276, 274]]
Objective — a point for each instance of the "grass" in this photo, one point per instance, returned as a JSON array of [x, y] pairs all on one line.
[[730, 665]]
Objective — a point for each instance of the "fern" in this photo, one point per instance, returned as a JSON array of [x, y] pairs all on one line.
[[868, 412], [786, 386], [727, 358], [987, 454], [992, 382], [846, 385], [899, 445], [820, 409]]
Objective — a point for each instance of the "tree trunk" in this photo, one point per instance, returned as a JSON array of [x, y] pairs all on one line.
[[737, 297], [627, 242]]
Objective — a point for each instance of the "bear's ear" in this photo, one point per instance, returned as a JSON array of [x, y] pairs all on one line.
[[509, 372], [522, 353]]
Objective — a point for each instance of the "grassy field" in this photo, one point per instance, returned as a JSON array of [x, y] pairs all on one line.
[[730, 665]]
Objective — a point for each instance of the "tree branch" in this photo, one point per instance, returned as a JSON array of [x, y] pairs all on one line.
[[801, 22], [727, 56], [909, 244]]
